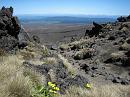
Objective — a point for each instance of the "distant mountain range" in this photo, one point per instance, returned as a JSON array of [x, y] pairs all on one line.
[[66, 19]]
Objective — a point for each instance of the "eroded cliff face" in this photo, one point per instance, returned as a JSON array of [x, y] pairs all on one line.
[[12, 34]]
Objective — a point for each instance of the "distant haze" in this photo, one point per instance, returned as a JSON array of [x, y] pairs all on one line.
[[27, 19]]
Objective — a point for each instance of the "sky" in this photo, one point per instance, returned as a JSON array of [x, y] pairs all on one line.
[[73, 7]]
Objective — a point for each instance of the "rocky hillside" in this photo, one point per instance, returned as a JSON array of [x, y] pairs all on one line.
[[97, 65], [103, 53]]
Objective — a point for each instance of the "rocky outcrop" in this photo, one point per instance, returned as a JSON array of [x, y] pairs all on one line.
[[95, 30], [11, 32], [123, 19]]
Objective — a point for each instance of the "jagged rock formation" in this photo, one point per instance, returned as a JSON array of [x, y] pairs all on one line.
[[12, 34], [95, 30]]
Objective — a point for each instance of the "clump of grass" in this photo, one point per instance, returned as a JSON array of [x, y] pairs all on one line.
[[27, 55], [2, 52], [19, 86], [45, 51], [34, 76], [79, 42], [84, 53], [64, 47], [50, 60], [36, 62], [118, 55], [124, 29], [13, 81], [99, 91], [125, 46]]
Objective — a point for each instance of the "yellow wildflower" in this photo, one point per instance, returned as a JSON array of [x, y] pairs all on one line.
[[88, 85], [49, 83], [52, 91], [56, 88]]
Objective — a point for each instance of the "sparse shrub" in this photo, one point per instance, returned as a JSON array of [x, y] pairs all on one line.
[[83, 54], [125, 46], [124, 29], [64, 47], [45, 51], [77, 46], [2, 52], [27, 55], [117, 56], [79, 55]]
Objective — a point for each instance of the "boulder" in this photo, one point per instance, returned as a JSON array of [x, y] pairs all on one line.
[[36, 38], [95, 30]]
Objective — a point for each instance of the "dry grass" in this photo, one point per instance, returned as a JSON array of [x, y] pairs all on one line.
[[36, 62], [100, 91], [84, 53], [79, 42], [2, 52], [117, 55], [125, 46], [64, 47], [50, 60], [13, 82], [125, 29], [17, 81]]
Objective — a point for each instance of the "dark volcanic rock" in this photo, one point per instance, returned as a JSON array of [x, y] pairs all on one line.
[[10, 30], [95, 30], [8, 43], [122, 19], [36, 39]]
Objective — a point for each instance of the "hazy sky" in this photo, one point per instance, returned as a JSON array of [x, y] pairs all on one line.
[[86, 7]]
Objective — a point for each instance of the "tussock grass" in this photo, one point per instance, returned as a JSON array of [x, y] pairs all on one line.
[[125, 46], [79, 42], [2, 52], [36, 62], [117, 55], [64, 47], [34, 76], [19, 85], [50, 60], [100, 91], [13, 82]]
